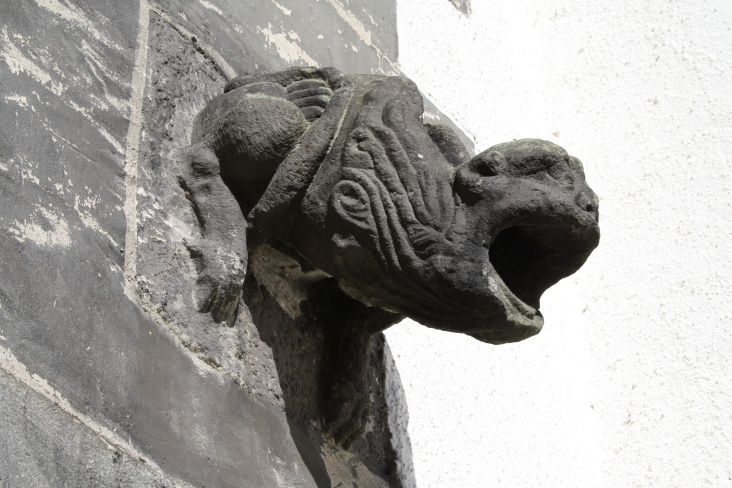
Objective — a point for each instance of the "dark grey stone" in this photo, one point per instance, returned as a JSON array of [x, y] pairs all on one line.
[[357, 214], [200, 402], [45, 446], [273, 355], [109, 373]]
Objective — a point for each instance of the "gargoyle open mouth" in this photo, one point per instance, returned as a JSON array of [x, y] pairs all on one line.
[[522, 259], [527, 260]]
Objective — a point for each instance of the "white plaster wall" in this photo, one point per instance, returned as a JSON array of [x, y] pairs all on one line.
[[630, 383]]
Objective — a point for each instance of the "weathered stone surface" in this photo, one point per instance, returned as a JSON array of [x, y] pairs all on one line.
[[356, 214], [264, 35], [273, 356], [49, 447], [97, 303]]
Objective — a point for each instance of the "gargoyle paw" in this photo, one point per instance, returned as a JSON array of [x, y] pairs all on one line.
[[220, 279]]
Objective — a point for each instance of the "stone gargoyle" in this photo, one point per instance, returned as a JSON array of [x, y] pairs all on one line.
[[381, 215]]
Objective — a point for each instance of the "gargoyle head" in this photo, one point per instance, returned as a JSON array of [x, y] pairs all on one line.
[[374, 199]]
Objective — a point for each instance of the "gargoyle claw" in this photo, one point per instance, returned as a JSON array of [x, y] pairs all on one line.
[[220, 279]]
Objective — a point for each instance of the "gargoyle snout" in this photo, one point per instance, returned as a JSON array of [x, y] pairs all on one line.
[[588, 201]]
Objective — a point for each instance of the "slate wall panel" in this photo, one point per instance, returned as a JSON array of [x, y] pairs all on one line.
[[113, 387]]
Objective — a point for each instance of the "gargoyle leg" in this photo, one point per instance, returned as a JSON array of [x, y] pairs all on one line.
[[220, 253], [348, 326]]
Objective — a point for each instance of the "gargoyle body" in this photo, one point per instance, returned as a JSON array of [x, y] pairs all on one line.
[[339, 173]]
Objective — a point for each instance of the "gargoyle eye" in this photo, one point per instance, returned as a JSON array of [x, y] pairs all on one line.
[[489, 164]]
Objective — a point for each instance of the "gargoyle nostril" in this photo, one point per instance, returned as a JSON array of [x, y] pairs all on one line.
[[588, 201]]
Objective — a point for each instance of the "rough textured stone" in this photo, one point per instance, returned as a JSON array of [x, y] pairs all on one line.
[[356, 213], [52, 448], [264, 35], [97, 296]]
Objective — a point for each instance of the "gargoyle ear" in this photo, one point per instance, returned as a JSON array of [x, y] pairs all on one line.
[[352, 203]]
